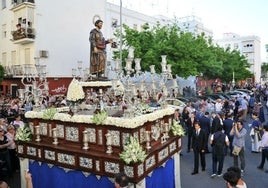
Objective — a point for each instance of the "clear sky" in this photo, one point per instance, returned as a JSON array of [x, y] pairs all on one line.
[[243, 17]]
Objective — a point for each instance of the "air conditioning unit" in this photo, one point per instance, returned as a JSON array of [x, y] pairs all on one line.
[[43, 53], [29, 30]]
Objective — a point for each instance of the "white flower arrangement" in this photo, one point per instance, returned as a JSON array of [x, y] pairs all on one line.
[[115, 121], [177, 129], [75, 91], [133, 152], [23, 133]]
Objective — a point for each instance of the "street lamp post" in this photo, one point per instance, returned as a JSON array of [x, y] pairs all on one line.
[[233, 81], [120, 50]]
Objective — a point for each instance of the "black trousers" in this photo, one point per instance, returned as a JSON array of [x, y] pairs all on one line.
[[198, 153], [264, 155]]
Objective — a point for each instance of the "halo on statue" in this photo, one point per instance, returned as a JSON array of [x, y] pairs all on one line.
[[95, 18]]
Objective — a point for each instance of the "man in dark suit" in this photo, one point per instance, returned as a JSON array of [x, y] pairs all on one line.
[[205, 126], [227, 127], [190, 129], [199, 147], [216, 122]]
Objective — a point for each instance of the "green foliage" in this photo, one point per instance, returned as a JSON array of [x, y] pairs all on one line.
[[188, 54], [100, 117], [2, 73], [49, 113], [264, 68]]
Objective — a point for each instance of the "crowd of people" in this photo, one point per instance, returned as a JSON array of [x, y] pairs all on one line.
[[220, 126], [224, 126]]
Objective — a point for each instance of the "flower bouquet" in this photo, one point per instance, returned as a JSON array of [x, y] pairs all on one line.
[[177, 129], [133, 152], [23, 134], [75, 93]]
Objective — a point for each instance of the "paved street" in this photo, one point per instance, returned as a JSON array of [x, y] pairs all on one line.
[[253, 177]]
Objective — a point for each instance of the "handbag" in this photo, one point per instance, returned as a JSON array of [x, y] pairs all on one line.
[[236, 150]]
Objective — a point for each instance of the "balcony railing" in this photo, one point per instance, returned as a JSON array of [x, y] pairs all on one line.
[[17, 2], [24, 36]]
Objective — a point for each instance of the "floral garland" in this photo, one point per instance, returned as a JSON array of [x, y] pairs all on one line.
[[133, 152], [23, 134], [115, 121], [177, 129]]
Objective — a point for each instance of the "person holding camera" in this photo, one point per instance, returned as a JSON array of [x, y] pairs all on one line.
[[239, 133]]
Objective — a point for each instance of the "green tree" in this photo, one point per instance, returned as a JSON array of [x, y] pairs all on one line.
[[2, 73], [187, 53]]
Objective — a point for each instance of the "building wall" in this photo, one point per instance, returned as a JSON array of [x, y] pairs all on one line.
[[249, 46], [194, 25], [63, 30]]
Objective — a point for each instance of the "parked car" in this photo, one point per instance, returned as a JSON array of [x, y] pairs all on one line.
[[175, 103], [216, 96], [236, 93], [245, 91], [228, 97], [184, 99]]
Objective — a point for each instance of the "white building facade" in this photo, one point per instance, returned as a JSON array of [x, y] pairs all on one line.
[[249, 46], [194, 25], [57, 37]]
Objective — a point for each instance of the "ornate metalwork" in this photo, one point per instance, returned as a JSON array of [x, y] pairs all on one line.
[[129, 170], [50, 155], [60, 130], [72, 134], [43, 128], [66, 158], [115, 137], [125, 138], [150, 162], [86, 162], [140, 169], [155, 131], [142, 135], [91, 134], [20, 149], [111, 167], [163, 154], [31, 151]]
